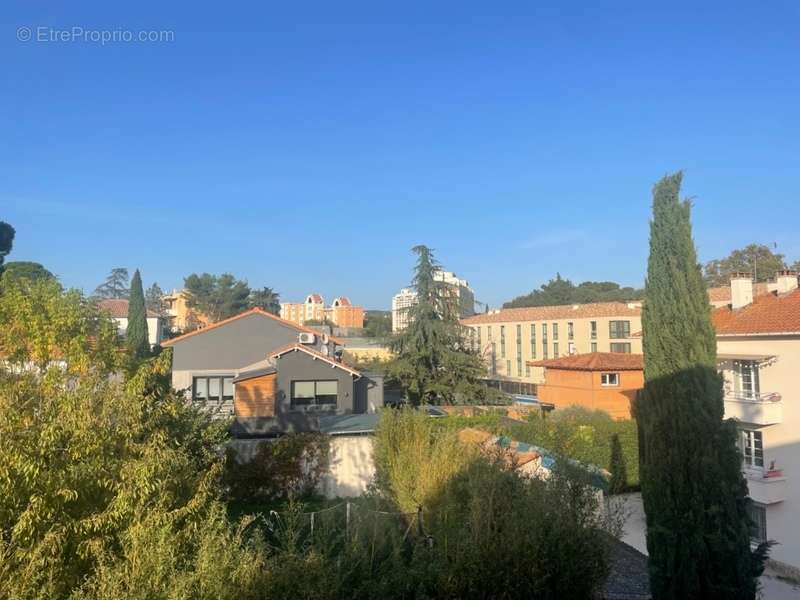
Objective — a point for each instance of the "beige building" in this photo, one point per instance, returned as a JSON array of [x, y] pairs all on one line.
[[179, 315], [758, 348], [341, 312], [509, 338]]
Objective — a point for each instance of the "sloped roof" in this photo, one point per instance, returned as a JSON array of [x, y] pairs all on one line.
[[723, 293], [567, 311], [245, 375], [768, 313], [253, 311], [118, 308], [342, 301], [317, 355], [594, 361]]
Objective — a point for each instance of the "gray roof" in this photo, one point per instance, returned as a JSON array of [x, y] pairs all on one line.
[[348, 424], [628, 579], [245, 375]]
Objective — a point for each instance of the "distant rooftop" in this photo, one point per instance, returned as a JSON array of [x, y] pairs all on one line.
[[594, 361], [566, 311]]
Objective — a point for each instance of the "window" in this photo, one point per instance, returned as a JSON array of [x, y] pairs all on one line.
[[593, 329], [758, 521], [527, 370], [753, 448], [216, 388], [622, 347], [533, 340], [494, 358], [594, 346], [519, 350], [478, 330], [508, 368], [555, 331], [555, 349], [502, 341], [314, 393], [570, 331], [619, 329], [745, 379], [544, 341], [609, 379], [489, 332]]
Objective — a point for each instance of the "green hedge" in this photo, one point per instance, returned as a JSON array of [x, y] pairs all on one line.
[[573, 432]]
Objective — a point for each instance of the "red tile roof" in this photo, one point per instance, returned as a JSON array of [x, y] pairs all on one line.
[[769, 313], [118, 308], [568, 311], [247, 313], [342, 301], [315, 354], [594, 361], [723, 293]]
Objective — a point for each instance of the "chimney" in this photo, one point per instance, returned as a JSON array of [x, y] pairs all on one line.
[[741, 290], [786, 281]]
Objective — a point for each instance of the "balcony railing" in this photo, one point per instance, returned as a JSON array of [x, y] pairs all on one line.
[[754, 407], [766, 487]]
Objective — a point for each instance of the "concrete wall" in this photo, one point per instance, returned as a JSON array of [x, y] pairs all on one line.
[[780, 374], [584, 388]]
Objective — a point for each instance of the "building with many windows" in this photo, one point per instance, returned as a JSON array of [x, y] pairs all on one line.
[[407, 297], [341, 312], [758, 349], [510, 338]]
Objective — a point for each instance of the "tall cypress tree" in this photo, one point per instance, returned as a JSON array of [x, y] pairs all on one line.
[[617, 467], [136, 334], [695, 496]]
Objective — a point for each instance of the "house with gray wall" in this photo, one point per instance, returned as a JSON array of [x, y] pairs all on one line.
[[271, 375]]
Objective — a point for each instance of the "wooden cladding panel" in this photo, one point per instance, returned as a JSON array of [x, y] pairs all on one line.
[[256, 397]]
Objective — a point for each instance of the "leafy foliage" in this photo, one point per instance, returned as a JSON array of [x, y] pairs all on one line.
[[561, 291], [435, 363], [378, 324], [695, 496], [216, 297], [154, 300], [266, 299], [115, 285], [136, 335], [754, 258], [25, 270], [617, 467], [7, 233], [288, 467]]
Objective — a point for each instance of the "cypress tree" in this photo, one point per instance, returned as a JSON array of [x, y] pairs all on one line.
[[695, 496], [136, 334], [617, 467]]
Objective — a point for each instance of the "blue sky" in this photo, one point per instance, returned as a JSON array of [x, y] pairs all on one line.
[[309, 146]]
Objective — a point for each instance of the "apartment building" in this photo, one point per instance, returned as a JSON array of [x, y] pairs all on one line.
[[180, 317], [407, 297], [758, 349], [341, 312], [510, 338]]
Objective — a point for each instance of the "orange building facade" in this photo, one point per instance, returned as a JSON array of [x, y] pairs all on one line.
[[596, 381], [341, 312]]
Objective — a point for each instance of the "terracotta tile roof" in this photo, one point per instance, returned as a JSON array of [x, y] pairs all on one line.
[[247, 313], [318, 355], [594, 361], [118, 308], [342, 301], [546, 313], [723, 293], [315, 298], [769, 313]]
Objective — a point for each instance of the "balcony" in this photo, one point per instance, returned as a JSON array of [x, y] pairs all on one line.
[[755, 408], [766, 487]]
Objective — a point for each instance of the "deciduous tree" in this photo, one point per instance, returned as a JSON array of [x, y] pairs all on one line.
[[7, 233], [25, 270], [153, 299], [694, 494], [217, 297], [755, 258]]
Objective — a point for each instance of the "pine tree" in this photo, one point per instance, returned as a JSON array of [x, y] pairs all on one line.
[[136, 336], [115, 285], [435, 364], [693, 490], [617, 467], [7, 233]]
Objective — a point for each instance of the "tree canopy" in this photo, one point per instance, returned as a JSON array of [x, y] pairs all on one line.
[[136, 335], [25, 270], [434, 362], [757, 259], [695, 496], [560, 291], [217, 297], [115, 285], [154, 301], [378, 323], [7, 233], [266, 299]]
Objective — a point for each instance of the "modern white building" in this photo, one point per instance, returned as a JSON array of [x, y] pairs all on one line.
[[157, 326], [758, 348], [407, 297]]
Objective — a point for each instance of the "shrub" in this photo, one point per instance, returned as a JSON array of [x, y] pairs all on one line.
[[287, 467], [619, 472]]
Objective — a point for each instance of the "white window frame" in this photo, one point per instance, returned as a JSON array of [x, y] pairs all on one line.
[[609, 379], [752, 447]]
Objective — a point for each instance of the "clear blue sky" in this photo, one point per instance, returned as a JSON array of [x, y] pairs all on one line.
[[309, 146]]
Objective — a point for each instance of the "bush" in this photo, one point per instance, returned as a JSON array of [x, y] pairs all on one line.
[[287, 467]]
